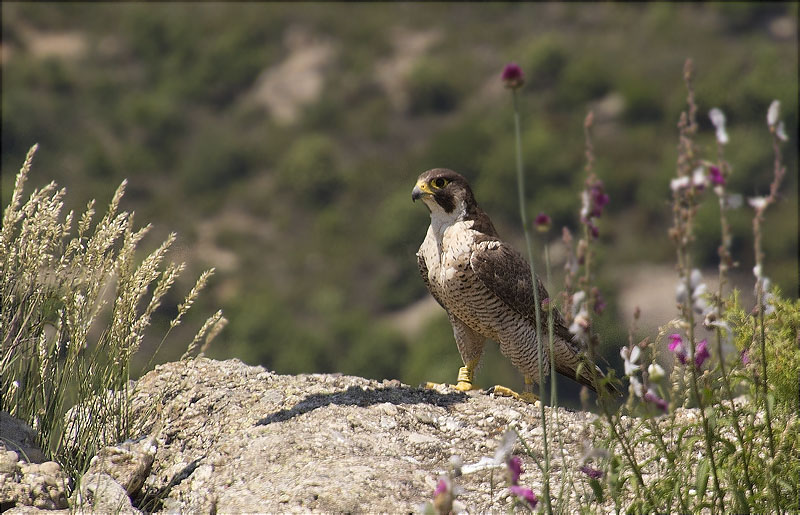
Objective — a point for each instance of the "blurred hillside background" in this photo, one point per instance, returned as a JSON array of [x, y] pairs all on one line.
[[281, 141]]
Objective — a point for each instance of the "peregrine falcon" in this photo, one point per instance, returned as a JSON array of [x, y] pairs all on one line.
[[485, 287]]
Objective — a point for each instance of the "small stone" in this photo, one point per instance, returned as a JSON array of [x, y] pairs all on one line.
[[389, 408], [50, 467]]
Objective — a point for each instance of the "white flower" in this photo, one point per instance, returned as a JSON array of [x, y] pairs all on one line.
[[695, 280], [781, 132], [725, 327], [773, 112], [718, 119], [580, 323], [680, 293], [586, 202], [767, 298], [699, 178], [637, 387], [734, 201], [630, 357], [655, 372], [698, 296], [679, 183], [757, 202], [757, 271]]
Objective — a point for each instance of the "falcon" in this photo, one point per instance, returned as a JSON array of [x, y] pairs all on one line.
[[485, 286]]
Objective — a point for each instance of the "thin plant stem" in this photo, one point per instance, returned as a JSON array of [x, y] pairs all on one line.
[[724, 264], [685, 207], [536, 300], [779, 171]]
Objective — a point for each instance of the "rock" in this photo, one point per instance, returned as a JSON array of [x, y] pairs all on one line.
[[236, 438], [24, 484], [16, 435], [28, 485], [128, 463], [100, 493]]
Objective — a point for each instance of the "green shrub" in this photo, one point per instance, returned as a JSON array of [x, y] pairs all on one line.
[[310, 170], [432, 89]]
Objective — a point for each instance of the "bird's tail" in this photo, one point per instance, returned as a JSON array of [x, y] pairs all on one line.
[[583, 374]]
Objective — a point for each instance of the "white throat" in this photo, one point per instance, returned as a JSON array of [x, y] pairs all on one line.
[[441, 220]]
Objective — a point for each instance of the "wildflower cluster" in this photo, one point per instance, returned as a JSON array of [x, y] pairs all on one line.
[[684, 354], [710, 457], [521, 493], [642, 388]]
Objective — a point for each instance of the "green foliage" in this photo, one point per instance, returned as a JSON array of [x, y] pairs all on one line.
[[782, 324], [432, 88], [544, 63], [310, 170]]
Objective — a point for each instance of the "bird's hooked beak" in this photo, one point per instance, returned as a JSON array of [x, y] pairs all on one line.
[[420, 189]]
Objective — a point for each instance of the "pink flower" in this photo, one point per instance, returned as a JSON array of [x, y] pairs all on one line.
[[593, 473], [745, 357], [599, 198], [542, 222], [676, 346], [701, 353], [524, 494], [513, 78], [715, 175], [599, 301], [650, 396], [515, 469], [441, 487]]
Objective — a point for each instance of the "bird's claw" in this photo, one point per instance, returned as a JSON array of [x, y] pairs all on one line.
[[503, 391], [462, 386]]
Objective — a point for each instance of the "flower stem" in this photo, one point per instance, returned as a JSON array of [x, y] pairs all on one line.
[[536, 300]]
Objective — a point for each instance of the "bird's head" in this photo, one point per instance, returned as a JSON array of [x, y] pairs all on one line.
[[443, 191]]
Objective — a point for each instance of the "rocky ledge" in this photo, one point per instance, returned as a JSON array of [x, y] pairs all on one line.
[[226, 437]]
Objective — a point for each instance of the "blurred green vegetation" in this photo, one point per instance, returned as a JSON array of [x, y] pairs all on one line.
[[309, 221]]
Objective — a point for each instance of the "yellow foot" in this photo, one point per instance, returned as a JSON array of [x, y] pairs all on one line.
[[508, 392], [464, 386], [461, 386]]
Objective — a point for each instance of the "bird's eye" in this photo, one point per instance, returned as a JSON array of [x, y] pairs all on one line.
[[439, 183]]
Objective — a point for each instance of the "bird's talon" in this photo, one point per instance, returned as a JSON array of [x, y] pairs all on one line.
[[508, 392], [463, 386]]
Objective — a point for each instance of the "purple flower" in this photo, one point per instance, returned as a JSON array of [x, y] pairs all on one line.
[[441, 487], [676, 346], [715, 175], [593, 230], [513, 77], [599, 301], [745, 357], [593, 473], [443, 496], [542, 222], [701, 353], [524, 494], [650, 396], [599, 198], [515, 469]]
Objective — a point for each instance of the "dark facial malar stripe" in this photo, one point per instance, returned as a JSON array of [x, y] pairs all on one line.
[[445, 200]]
